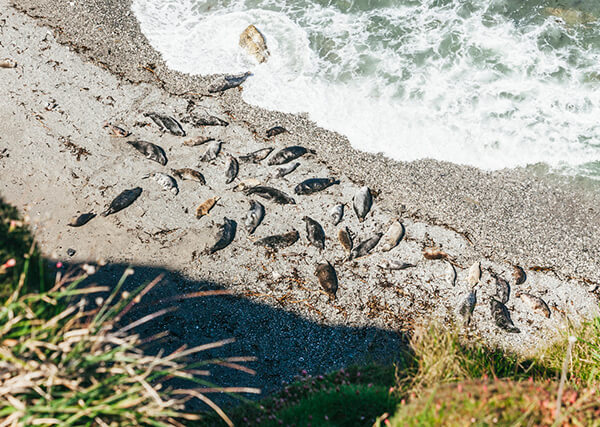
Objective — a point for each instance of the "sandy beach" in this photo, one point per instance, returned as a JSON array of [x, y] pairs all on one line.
[[80, 64]]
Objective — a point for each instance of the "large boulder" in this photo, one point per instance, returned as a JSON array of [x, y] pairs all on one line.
[[254, 43]]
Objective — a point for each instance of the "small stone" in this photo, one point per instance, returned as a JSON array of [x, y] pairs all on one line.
[[70, 252]]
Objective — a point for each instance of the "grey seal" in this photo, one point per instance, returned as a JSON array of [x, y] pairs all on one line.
[[279, 241], [288, 154], [254, 216], [123, 200], [315, 233], [150, 150], [366, 246], [270, 193], [228, 81], [501, 316], [257, 156], [166, 123], [362, 202], [314, 185], [231, 169], [225, 235], [166, 181]]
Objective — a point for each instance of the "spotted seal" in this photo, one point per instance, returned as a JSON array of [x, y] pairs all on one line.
[[327, 279], [188, 174], [501, 316], [257, 156], [337, 213], [502, 289], [366, 246], [362, 202], [197, 140], [394, 265], [314, 185], [286, 170], [345, 239], [166, 181], [123, 200], [270, 193], [229, 81], [519, 275], [279, 241], [116, 130], [288, 154], [275, 130], [212, 152], [231, 169], [254, 216], [225, 235], [315, 232], [166, 123], [151, 151], [536, 304], [467, 307]]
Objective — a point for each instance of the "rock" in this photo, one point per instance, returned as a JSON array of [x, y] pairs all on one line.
[[254, 43]]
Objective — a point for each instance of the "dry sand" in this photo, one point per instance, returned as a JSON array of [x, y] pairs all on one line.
[[94, 65]]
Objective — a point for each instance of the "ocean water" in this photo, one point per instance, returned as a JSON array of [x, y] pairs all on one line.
[[489, 83]]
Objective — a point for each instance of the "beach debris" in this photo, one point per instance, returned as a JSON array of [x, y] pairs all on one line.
[[275, 130], [467, 307], [327, 279], [52, 105], [257, 156], [394, 265], [116, 130], [150, 150], [228, 81], [314, 185], [166, 181], [189, 174], [536, 304], [254, 43], [82, 219], [254, 216], [206, 206], [123, 200], [71, 252], [7, 63], [270, 193], [393, 236], [197, 140], [285, 170], [434, 253], [246, 184], [288, 154], [225, 235], [451, 274], [337, 213], [502, 289], [570, 16], [212, 152], [362, 202], [474, 274], [345, 239], [279, 241], [232, 168], [208, 120], [315, 232], [519, 275], [365, 246], [166, 123], [501, 316]]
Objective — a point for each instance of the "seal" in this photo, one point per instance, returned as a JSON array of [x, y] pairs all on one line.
[[474, 274], [246, 184], [82, 219], [519, 275], [207, 120], [166, 181], [225, 235], [254, 43], [279, 241], [288, 154], [229, 81], [501, 316], [394, 265], [314, 185], [315, 233], [467, 307], [206, 206], [151, 151], [536, 304], [337, 213], [327, 279], [286, 170], [123, 200], [366, 246], [270, 193], [166, 123], [345, 238], [451, 274], [232, 168], [212, 152], [434, 253], [257, 156], [362, 203], [116, 130], [393, 236], [7, 63], [502, 289], [254, 216], [275, 130], [188, 174], [197, 140]]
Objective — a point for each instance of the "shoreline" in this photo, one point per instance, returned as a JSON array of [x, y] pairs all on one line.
[[501, 218]]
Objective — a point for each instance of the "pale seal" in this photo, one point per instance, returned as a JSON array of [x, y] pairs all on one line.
[[393, 236], [82, 219], [362, 203], [166, 181], [257, 156], [474, 274], [337, 213]]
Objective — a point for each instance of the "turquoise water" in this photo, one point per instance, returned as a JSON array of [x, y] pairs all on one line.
[[489, 83]]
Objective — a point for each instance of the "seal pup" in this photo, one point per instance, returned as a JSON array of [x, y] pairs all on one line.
[[166, 123], [212, 152], [501, 316], [279, 241], [275, 130], [394, 265], [206, 206], [313, 185], [246, 184], [451, 274], [393, 236], [188, 174], [150, 150], [288, 154], [502, 289], [82, 219], [474, 274], [225, 235], [116, 130], [123, 200], [366, 246], [197, 140], [286, 170], [315, 233], [345, 238], [362, 202], [337, 213], [7, 63], [536, 304], [467, 307], [257, 156], [166, 181], [327, 279], [254, 43], [229, 81], [254, 216], [270, 193], [434, 253], [232, 168], [519, 275]]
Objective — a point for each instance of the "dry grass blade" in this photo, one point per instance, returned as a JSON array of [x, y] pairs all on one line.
[[209, 402]]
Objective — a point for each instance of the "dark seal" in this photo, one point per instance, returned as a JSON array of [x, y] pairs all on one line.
[[122, 201], [150, 150], [279, 241], [314, 185], [270, 193], [225, 235]]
